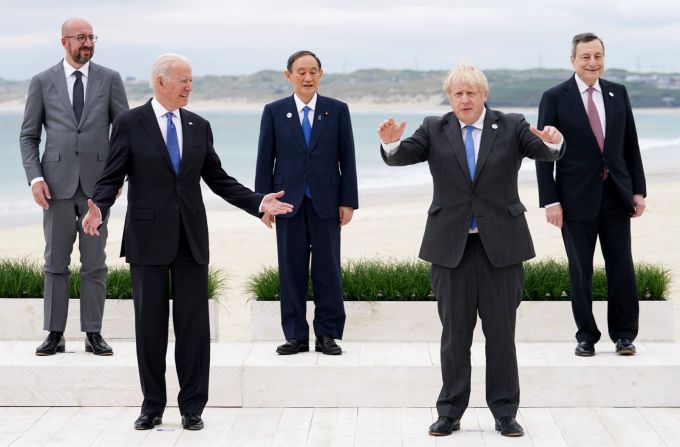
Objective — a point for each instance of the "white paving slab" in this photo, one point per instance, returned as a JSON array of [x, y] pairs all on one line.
[[367, 375], [337, 427]]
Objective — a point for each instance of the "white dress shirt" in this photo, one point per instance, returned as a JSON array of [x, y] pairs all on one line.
[[160, 113], [300, 105]]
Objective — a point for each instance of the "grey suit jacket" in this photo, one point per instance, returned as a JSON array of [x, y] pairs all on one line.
[[492, 197], [73, 152]]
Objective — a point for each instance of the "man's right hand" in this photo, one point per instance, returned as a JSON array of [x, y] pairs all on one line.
[[41, 194], [389, 132], [554, 215], [92, 219]]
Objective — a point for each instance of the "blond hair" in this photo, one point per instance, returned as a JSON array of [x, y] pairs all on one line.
[[468, 74]]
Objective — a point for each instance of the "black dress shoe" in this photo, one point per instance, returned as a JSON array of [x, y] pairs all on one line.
[[192, 422], [95, 343], [508, 426], [53, 343], [327, 345], [147, 421], [585, 349], [293, 346], [625, 347], [444, 426]]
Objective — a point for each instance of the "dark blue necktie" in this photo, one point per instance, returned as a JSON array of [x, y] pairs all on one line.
[[307, 132], [470, 154], [78, 95], [172, 143]]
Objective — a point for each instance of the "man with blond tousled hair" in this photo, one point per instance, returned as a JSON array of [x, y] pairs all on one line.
[[476, 236]]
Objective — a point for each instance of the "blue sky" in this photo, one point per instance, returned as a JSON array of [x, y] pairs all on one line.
[[244, 36]]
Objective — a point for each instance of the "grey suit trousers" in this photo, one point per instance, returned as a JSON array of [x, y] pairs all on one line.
[[477, 286], [62, 221]]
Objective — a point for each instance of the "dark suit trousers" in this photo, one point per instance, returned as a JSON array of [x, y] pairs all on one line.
[[477, 286], [152, 286], [612, 225], [62, 221], [298, 237]]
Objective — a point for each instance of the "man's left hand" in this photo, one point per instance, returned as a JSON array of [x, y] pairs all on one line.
[[271, 205], [549, 134], [93, 219], [638, 205], [346, 213]]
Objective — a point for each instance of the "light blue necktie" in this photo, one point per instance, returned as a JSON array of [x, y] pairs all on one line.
[[172, 143], [470, 154], [307, 132]]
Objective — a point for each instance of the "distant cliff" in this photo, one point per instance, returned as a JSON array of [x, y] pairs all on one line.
[[508, 88]]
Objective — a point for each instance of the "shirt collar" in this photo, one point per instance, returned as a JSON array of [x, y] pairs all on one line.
[[68, 69], [301, 105], [160, 111], [583, 87], [479, 124]]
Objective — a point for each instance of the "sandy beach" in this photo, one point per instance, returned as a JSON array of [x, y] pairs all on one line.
[[388, 224]]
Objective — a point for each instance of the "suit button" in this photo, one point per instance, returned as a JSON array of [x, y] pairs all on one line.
[[77, 152], [78, 132]]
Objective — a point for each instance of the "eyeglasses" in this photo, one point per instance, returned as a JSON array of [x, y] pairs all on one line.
[[82, 38]]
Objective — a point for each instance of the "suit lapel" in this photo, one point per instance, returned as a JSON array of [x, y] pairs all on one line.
[[489, 134], [187, 140], [321, 115], [579, 111], [294, 125], [59, 84], [609, 108], [94, 82], [150, 126], [455, 137]]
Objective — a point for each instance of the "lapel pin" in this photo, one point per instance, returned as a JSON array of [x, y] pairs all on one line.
[[190, 123], [289, 115], [494, 126], [318, 118], [325, 113], [611, 94]]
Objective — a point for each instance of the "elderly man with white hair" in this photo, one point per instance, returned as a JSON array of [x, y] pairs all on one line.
[[165, 151], [476, 236]]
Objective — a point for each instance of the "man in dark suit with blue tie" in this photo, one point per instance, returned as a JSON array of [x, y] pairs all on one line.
[[165, 151], [594, 191], [306, 148], [476, 236]]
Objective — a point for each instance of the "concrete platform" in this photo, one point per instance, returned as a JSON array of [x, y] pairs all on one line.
[[366, 375]]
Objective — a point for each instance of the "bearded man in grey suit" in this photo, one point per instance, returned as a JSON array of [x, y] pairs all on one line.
[[76, 102], [476, 236]]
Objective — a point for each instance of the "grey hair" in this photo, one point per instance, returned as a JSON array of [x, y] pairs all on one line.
[[162, 65], [468, 74], [583, 38]]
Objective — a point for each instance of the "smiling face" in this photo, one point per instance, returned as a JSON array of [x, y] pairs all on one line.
[[467, 101], [172, 89], [77, 53], [305, 76], [588, 62]]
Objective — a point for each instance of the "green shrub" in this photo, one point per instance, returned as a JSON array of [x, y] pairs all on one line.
[[21, 278], [409, 280]]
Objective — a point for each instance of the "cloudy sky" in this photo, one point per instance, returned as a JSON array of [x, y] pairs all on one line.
[[244, 36]]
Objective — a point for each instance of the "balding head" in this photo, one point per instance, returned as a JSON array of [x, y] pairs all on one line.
[[77, 38]]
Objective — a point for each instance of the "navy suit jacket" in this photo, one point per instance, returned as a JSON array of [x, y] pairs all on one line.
[[328, 166], [158, 199], [577, 183]]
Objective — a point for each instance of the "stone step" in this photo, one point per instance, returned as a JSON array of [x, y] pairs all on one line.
[[366, 375]]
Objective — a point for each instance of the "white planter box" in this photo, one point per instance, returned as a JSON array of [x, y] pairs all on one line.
[[419, 321], [23, 319]]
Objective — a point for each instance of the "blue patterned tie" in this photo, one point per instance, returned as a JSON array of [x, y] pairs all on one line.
[[470, 154], [307, 132], [78, 95], [172, 143]]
